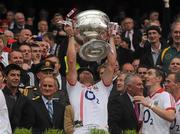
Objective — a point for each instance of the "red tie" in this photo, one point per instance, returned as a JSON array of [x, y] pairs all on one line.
[[136, 109]]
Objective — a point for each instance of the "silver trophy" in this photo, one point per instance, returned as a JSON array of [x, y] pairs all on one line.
[[92, 26]]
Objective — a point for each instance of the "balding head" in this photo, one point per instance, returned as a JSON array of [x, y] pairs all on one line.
[[19, 18]]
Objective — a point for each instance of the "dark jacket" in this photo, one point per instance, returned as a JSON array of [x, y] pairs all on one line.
[[42, 118], [146, 55], [136, 38], [121, 115], [20, 109]]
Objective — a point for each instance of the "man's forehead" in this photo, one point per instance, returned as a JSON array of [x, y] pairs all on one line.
[[151, 71], [14, 71], [14, 54]]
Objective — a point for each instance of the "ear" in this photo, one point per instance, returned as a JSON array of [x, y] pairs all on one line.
[[129, 87], [159, 78], [38, 75], [159, 35]]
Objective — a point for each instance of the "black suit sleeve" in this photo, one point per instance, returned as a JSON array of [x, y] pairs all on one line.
[[114, 116], [27, 119]]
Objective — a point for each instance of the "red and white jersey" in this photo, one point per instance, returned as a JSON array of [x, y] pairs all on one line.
[[90, 103], [175, 126], [153, 123]]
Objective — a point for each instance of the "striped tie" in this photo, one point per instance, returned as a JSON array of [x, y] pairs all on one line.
[[50, 110]]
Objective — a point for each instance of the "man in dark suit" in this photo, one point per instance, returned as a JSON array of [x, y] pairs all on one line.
[[122, 113], [19, 107], [132, 33], [49, 113], [20, 23], [153, 47]]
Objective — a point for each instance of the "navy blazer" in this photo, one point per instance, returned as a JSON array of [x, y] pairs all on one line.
[[121, 114], [42, 120]]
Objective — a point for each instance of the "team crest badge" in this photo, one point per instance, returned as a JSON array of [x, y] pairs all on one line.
[[168, 56], [47, 64]]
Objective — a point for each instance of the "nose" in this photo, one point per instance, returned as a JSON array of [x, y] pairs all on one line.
[[17, 77]]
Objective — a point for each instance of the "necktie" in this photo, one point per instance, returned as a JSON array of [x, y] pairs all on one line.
[[50, 110], [128, 34], [136, 109]]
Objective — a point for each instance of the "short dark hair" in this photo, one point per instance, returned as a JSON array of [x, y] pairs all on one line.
[[153, 27], [158, 72], [11, 67]]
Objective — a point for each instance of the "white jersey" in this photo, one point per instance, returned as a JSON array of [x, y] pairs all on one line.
[[175, 126], [153, 123], [90, 104], [5, 127]]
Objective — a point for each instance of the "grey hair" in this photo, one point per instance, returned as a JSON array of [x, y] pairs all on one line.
[[174, 24], [129, 78]]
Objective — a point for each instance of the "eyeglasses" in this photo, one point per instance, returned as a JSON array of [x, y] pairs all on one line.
[[142, 72]]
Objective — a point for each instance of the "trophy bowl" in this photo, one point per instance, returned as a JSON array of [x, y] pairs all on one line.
[[91, 25]]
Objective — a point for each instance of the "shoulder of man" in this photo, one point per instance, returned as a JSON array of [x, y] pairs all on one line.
[[36, 98], [164, 53]]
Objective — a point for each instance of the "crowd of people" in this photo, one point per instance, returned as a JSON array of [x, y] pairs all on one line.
[[44, 82]]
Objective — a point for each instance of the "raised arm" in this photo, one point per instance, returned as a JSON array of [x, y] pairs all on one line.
[[71, 56], [111, 61]]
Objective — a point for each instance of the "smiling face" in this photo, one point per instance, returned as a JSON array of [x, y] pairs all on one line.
[[151, 78], [176, 33], [36, 52], [175, 65], [135, 88], [16, 57], [13, 78], [170, 83], [153, 36], [48, 87]]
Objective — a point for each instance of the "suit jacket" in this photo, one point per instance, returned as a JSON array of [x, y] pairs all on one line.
[[121, 114], [69, 120], [147, 58], [136, 38], [20, 110], [42, 120]]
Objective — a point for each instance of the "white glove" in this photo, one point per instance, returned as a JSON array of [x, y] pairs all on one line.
[[166, 3]]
